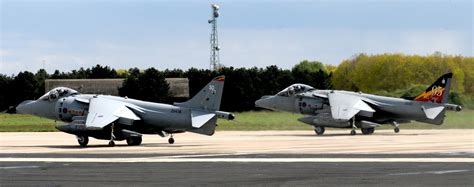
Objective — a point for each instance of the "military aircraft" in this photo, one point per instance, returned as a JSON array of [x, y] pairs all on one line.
[[121, 118], [345, 109]]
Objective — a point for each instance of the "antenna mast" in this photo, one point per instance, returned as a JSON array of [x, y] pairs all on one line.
[[214, 59]]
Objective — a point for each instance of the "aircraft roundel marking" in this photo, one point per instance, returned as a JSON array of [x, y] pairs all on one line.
[[65, 110]]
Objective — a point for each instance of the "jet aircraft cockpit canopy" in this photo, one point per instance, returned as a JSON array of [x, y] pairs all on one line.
[[295, 89], [58, 93]]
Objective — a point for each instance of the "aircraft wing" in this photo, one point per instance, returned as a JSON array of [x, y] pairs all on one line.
[[346, 106], [103, 111]]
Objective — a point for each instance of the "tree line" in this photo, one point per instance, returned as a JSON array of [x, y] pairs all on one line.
[[405, 75], [242, 87], [396, 75]]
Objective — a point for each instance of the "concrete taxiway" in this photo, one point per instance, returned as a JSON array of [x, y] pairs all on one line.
[[412, 157]]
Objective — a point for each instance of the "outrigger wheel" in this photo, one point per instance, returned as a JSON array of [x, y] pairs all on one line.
[[112, 136], [353, 132], [171, 140], [353, 124], [396, 125], [396, 129]]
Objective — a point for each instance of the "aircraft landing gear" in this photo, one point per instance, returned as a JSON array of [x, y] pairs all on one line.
[[319, 130], [134, 140], [353, 132], [368, 130], [396, 125], [83, 140], [353, 124], [171, 139], [112, 137]]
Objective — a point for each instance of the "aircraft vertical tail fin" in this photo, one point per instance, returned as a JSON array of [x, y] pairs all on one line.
[[209, 98], [438, 92]]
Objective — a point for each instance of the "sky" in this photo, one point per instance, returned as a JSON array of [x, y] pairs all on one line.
[[122, 34]]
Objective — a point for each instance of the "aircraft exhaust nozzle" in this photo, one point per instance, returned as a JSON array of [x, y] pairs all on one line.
[[453, 107], [225, 115]]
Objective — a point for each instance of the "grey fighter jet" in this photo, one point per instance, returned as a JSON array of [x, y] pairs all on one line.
[[344, 109], [121, 118]]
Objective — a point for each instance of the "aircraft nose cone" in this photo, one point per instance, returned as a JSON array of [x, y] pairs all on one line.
[[24, 107], [263, 102]]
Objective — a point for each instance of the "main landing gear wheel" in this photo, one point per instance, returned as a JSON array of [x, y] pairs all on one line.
[[111, 143], [368, 130], [134, 140], [83, 140], [319, 130]]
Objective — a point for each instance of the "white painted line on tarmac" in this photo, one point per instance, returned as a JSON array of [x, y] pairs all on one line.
[[446, 171], [432, 172], [19, 167], [202, 155], [238, 160]]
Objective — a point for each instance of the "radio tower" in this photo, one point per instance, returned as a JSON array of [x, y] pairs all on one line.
[[213, 40]]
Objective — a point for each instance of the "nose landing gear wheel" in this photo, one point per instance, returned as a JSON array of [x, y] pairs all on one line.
[[83, 140], [111, 143]]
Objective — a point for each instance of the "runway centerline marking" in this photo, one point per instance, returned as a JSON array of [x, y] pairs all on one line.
[[238, 160]]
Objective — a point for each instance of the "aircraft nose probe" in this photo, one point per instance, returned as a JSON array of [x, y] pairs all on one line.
[[11, 110]]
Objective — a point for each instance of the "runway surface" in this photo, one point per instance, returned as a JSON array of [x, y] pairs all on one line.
[[284, 158]]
